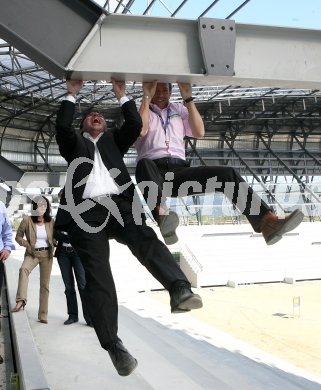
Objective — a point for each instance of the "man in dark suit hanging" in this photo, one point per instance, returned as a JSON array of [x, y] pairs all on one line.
[[99, 202]]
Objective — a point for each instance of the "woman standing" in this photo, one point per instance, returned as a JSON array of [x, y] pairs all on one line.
[[38, 232]]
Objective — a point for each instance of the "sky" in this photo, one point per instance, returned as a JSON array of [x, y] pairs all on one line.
[[290, 13]]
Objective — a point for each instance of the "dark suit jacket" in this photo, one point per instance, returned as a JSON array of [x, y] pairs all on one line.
[[112, 146], [60, 239]]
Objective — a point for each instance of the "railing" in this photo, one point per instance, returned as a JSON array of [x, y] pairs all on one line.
[[191, 258]]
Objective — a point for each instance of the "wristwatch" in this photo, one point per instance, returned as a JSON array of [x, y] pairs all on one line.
[[189, 99]]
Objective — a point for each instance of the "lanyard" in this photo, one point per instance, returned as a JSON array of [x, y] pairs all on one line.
[[164, 124]]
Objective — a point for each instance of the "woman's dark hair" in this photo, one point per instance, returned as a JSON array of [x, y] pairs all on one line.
[[39, 200]]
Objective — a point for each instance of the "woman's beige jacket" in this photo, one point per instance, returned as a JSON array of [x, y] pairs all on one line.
[[27, 236]]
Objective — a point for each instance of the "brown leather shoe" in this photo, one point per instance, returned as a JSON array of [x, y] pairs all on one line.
[[183, 299], [167, 225], [273, 228]]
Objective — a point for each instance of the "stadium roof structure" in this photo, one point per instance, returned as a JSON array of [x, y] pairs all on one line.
[[265, 131]]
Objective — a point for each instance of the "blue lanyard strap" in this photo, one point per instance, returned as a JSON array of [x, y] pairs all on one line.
[[164, 124]]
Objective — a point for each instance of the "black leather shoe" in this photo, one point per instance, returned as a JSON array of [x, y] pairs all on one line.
[[123, 361], [183, 299], [71, 321]]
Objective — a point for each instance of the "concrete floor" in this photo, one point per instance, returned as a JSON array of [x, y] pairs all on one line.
[[173, 351]]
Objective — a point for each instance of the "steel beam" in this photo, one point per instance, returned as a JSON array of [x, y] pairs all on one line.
[[9, 172], [78, 39], [48, 32], [42, 179], [141, 48], [277, 57]]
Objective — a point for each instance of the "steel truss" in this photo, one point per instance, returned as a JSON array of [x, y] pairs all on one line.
[[271, 135], [274, 141]]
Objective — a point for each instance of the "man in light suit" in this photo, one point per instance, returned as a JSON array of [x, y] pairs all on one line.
[[98, 203]]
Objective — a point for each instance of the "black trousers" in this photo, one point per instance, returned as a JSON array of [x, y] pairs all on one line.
[[71, 268], [173, 178], [93, 249]]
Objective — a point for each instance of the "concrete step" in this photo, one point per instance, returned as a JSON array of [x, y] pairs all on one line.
[[173, 351]]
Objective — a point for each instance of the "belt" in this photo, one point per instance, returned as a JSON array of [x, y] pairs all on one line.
[[44, 248], [171, 161], [68, 248], [102, 197]]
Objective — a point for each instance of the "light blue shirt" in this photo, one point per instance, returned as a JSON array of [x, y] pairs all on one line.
[[5, 229]]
